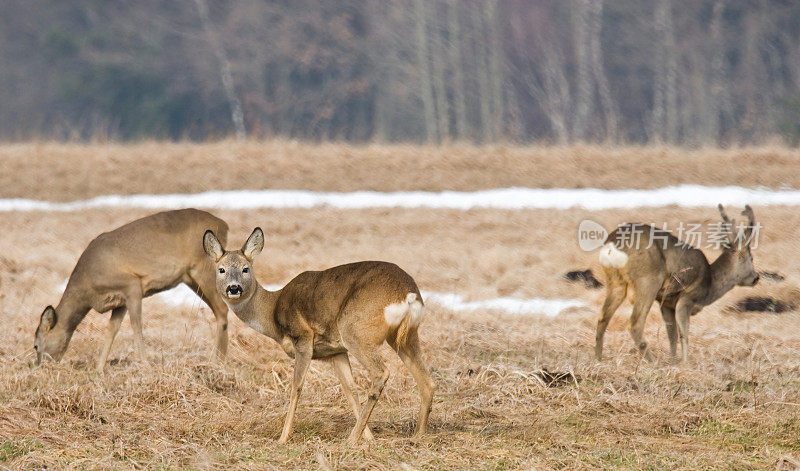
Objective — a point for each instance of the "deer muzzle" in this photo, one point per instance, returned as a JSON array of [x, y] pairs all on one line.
[[233, 291]]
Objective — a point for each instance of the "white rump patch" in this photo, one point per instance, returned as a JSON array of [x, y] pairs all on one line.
[[396, 312], [611, 256], [415, 310]]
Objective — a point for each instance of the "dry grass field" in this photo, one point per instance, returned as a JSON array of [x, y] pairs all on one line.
[[735, 404], [60, 172]]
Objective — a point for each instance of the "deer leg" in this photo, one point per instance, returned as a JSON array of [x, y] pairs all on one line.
[[411, 355], [134, 305], [668, 314], [646, 291], [203, 284], [616, 292], [117, 314], [304, 349], [682, 315], [341, 366], [380, 374]]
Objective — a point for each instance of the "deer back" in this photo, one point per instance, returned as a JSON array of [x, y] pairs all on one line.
[[361, 290]]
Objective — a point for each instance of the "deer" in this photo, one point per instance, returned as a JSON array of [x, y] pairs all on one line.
[[119, 268], [328, 315], [673, 273]]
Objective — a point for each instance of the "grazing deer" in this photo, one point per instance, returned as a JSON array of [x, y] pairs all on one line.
[[677, 275], [325, 315], [134, 261]]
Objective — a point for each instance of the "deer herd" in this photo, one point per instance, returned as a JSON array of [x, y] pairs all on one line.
[[353, 309]]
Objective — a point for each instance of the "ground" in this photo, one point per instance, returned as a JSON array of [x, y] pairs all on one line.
[[734, 404]]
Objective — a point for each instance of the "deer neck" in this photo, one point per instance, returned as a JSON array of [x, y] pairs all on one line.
[[722, 277], [258, 312], [71, 310]]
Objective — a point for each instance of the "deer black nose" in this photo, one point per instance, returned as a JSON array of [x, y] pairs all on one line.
[[233, 289]]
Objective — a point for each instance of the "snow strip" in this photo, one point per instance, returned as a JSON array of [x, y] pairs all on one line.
[[182, 295], [548, 307], [504, 198]]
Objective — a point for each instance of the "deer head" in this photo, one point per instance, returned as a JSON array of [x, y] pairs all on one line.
[[51, 340], [235, 280], [739, 261]]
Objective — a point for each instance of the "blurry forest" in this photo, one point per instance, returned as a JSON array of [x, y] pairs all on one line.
[[670, 71]]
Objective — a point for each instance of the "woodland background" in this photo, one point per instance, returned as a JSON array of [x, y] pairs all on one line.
[[689, 72]]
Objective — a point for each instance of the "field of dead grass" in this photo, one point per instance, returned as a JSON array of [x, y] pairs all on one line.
[[60, 172], [735, 404]]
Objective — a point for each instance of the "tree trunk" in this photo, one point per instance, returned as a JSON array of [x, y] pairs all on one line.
[[604, 90], [658, 116], [496, 64], [439, 58], [457, 66], [752, 120], [717, 73], [671, 88], [552, 89], [484, 78], [423, 58], [583, 102], [237, 115]]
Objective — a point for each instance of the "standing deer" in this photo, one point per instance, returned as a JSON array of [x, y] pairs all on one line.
[[326, 315], [677, 275], [134, 261]]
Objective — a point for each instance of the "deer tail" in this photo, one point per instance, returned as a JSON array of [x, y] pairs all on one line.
[[405, 315]]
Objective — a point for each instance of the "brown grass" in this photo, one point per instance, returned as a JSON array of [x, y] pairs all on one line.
[[74, 171], [736, 404]]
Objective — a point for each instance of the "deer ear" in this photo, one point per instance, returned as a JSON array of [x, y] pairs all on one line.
[[723, 214], [212, 246], [48, 320], [748, 212], [751, 224], [731, 225], [254, 244]]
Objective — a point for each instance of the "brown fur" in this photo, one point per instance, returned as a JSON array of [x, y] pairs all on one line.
[[676, 275], [120, 267], [327, 315]]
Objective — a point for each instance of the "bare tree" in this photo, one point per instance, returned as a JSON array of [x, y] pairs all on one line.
[[237, 115], [439, 62], [596, 52], [663, 119], [583, 99], [457, 66], [496, 64], [671, 92], [718, 98], [755, 74], [549, 86], [482, 73], [425, 81], [555, 93], [700, 71]]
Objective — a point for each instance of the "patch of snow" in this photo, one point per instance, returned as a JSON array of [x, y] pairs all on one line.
[[504, 198], [183, 296], [545, 306]]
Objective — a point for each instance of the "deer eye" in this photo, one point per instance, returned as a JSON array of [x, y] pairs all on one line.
[[245, 270], [222, 270]]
